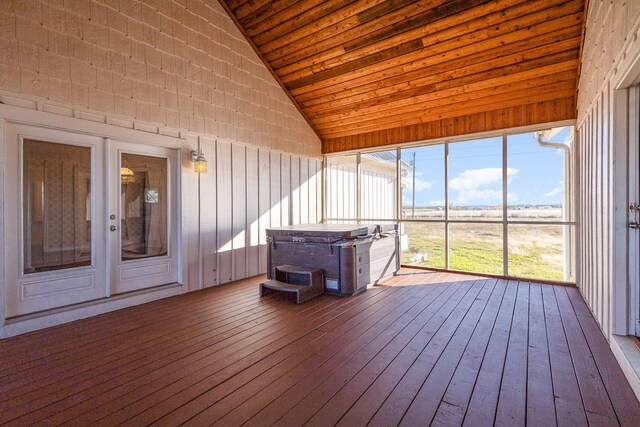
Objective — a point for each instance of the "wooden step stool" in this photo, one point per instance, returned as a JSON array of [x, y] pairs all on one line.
[[304, 282]]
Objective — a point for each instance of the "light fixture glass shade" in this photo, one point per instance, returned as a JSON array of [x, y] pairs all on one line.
[[127, 175], [200, 165], [199, 162]]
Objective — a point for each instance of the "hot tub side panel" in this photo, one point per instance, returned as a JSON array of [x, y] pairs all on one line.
[[349, 266]]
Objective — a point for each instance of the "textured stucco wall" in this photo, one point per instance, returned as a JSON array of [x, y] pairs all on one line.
[[611, 30], [180, 64]]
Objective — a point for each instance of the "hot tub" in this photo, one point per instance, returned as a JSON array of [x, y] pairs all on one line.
[[353, 256]]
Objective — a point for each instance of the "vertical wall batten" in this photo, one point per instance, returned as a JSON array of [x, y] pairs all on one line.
[[224, 194], [313, 192], [304, 190], [253, 212], [285, 189], [264, 206], [295, 190], [239, 211], [607, 206], [208, 217], [276, 201]]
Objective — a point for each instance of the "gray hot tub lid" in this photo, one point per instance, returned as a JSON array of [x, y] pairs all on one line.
[[335, 231]]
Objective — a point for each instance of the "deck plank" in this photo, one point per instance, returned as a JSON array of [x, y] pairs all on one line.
[[49, 398], [423, 348], [594, 394], [511, 410], [138, 345], [429, 398], [397, 403], [456, 398], [422, 302], [627, 411], [196, 398], [266, 397], [568, 401], [202, 359], [35, 346], [541, 408], [484, 398]]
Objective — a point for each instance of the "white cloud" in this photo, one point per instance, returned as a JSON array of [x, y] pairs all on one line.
[[481, 185], [472, 179], [420, 183], [436, 202]]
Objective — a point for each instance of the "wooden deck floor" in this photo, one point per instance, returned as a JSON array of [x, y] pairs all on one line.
[[428, 348]]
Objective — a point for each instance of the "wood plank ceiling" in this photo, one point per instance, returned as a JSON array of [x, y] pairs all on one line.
[[374, 72]]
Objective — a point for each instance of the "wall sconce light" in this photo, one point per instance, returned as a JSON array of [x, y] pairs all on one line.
[[199, 162]]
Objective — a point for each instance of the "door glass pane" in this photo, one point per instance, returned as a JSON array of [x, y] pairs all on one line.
[[422, 244], [378, 185], [143, 204], [56, 196], [341, 187], [476, 247], [475, 179], [539, 193], [423, 182]]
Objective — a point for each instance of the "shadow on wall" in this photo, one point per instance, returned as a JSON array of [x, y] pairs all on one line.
[[245, 191]]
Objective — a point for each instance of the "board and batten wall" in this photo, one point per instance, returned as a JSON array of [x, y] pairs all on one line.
[[610, 43], [177, 70], [250, 190], [377, 194]]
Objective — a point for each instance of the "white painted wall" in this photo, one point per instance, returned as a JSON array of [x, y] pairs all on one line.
[[378, 198], [247, 191], [377, 188], [341, 189], [611, 49], [167, 71]]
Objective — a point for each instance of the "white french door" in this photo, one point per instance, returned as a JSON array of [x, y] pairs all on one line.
[[54, 212], [86, 217], [143, 215]]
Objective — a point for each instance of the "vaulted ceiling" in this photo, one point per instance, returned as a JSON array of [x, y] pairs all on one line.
[[371, 72]]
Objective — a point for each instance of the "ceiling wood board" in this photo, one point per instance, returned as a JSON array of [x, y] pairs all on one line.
[[373, 66], [556, 110]]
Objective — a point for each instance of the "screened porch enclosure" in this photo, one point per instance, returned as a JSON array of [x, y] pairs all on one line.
[[500, 205]]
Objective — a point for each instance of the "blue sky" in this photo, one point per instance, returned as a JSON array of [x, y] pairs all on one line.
[[475, 172]]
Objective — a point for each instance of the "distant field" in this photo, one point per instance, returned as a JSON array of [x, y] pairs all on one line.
[[535, 251], [532, 213]]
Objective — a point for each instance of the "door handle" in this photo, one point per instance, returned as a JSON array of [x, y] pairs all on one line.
[[634, 224], [113, 228]]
